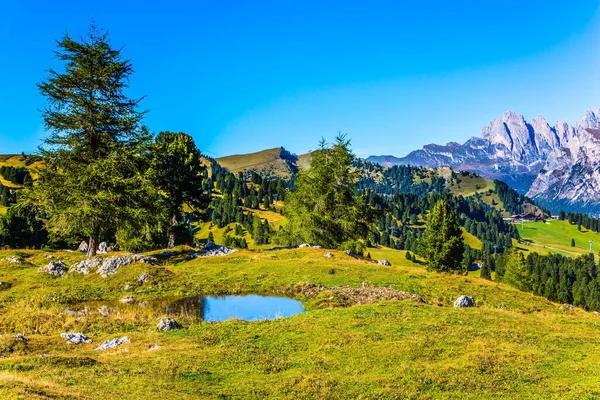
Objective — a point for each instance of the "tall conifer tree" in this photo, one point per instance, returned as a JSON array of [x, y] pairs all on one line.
[[95, 148]]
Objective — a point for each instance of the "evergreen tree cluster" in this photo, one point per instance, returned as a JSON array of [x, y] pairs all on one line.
[[581, 220], [18, 175], [7, 197]]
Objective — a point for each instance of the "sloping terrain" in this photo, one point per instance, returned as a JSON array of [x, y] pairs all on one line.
[[269, 163], [512, 345]]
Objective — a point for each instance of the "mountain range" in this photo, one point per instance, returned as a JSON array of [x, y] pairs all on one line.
[[559, 165]]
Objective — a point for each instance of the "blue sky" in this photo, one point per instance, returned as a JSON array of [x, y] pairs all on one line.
[[249, 75]]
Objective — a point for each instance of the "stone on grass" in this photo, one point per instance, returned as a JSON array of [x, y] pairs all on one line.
[[113, 343], [110, 265], [167, 324], [105, 311], [86, 266], [565, 307], [153, 347], [328, 255], [83, 247], [55, 268], [211, 249], [13, 260], [21, 337], [597, 313], [144, 278], [102, 247], [464, 302], [351, 254], [384, 262], [127, 300], [75, 338]]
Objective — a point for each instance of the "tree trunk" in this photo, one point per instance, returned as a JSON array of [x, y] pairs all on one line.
[[92, 246], [174, 224]]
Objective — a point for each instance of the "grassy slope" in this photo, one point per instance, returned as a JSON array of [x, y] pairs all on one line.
[[513, 345], [555, 236]]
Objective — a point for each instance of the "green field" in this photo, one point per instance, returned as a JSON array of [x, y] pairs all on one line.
[[555, 237], [513, 345]]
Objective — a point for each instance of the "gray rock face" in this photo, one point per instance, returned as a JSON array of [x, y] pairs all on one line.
[[167, 324], [83, 247], [384, 262], [464, 302], [113, 343], [570, 178], [144, 278], [75, 338], [509, 148], [55, 268]]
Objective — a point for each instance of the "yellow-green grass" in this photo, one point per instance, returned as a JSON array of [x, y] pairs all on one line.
[[471, 240], [268, 161], [469, 185], [555, 237], [513, 345]]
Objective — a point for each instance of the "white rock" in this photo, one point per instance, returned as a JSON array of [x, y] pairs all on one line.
[[464, 302], [55, 268], [75, 338], [113, 343], [167, 324]]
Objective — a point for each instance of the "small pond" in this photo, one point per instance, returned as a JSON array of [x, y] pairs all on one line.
[[247, 308], [214, 309]]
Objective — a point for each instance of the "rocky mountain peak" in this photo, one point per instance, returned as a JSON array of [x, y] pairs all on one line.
[[590, 119]]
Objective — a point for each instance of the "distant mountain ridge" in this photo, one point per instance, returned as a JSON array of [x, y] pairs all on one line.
[[549, 163]]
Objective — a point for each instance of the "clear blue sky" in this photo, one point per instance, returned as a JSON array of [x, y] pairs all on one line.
[[248, 75]]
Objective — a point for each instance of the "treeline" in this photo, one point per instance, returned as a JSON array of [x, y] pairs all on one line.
[[558, 278], [238, 197], [581, 220], [398, 179], [18, 175], [7, 197]]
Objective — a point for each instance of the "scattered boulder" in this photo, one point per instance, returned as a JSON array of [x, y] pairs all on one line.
[[566, 307], [127, 287], [597, 313], [55, 268], [105, 311], [384, 262], [85, 266], [113, 343], [166, 254], [328, 255], [308, 245], [75, 338], [21, 337], [213, 250], [351, 254], [83, 247], [153, 347], [167, 324], [13, 260], [102, 247], [144, 278], [127, 300], [464, 302], [112, 264]]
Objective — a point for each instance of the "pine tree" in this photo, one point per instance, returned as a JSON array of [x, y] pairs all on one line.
[[515, 270], [211, 237], [323, 208], [442, 245], [177, 172], [408, 256], [93, 154]]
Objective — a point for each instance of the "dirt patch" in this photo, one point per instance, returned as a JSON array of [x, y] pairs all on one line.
[[345, 296]]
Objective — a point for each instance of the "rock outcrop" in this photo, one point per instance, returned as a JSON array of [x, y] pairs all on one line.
[[75, 338], [55, 268], [167, 324], [464, 302], [113, 343]]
